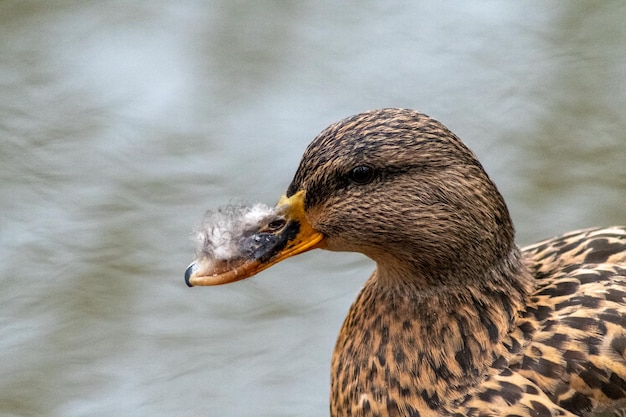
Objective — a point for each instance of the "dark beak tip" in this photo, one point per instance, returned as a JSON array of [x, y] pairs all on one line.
[[188, 272]]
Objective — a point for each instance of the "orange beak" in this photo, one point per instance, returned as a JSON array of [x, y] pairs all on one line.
[[261, 249]]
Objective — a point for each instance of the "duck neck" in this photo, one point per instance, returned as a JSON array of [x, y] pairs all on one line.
[[435, 340]]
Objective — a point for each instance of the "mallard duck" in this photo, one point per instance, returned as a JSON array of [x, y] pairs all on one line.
[[456, 319]]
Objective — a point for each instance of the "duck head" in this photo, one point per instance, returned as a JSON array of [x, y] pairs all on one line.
[[393, 184]]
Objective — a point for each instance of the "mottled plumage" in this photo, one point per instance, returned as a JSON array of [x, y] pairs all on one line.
[[456, 319]]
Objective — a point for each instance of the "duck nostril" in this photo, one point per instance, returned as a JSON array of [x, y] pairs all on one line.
[[275, 225]]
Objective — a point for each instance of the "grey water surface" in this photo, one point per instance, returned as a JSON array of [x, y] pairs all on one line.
[[122, 122]]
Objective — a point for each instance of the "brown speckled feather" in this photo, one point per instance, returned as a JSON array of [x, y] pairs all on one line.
[[578, 349], [571, 338], [566, 353]]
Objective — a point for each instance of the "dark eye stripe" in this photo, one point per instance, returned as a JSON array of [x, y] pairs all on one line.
[[326, 186]]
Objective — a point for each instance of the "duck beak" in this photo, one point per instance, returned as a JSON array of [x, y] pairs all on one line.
[[262, 248]]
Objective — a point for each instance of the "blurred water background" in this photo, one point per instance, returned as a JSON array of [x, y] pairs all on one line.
[[121, 122]]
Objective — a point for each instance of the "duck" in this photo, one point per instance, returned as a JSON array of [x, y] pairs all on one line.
[[456, 319]]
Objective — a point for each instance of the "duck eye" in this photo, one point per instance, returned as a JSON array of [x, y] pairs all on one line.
[[361, 174]]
